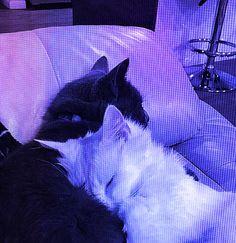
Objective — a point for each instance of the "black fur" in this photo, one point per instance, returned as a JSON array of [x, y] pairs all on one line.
[[88, 98], [39, 205], [191, 173]]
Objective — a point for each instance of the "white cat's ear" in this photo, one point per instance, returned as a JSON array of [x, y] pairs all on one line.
[[114, 125], [50, 144]]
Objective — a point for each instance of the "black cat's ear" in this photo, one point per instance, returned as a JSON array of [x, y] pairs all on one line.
[[101, 65], [114, 126], [119, 72], [108, 86]]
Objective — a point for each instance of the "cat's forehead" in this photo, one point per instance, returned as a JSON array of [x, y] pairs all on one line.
[[92, 77], [84, 82]]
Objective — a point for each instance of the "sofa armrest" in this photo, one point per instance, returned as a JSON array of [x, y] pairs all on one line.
[[213, 150], [27, 81]]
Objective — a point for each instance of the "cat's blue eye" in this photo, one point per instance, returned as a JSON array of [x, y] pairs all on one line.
[[76, 118]]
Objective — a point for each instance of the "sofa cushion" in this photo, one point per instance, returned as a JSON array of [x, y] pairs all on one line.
[[26, 79], [61, 54], [212, 151]]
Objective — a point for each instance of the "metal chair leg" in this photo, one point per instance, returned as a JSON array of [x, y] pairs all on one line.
[[208, 78]]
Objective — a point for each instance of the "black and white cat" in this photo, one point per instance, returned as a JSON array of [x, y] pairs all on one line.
[[146, 185], [37, 201]]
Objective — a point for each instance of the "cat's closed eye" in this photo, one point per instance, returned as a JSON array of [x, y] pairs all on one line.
[[109, 183]]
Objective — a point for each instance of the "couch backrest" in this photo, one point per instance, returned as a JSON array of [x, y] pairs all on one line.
[[49, 58]]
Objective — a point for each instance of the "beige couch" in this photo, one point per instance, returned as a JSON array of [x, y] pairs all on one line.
[[35, 65]]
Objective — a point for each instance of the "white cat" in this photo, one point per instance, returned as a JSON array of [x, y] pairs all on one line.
[[147, 185]]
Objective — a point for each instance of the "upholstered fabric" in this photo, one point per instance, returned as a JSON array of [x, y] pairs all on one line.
[[36, 64], [213, 150], [174, 110], [26, 78]]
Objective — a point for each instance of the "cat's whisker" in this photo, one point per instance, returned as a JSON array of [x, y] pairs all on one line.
[[54, 166], [2, 154], [35, 148]]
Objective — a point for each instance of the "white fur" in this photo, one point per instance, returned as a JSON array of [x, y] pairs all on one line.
[[156, 199], [154, 196]]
